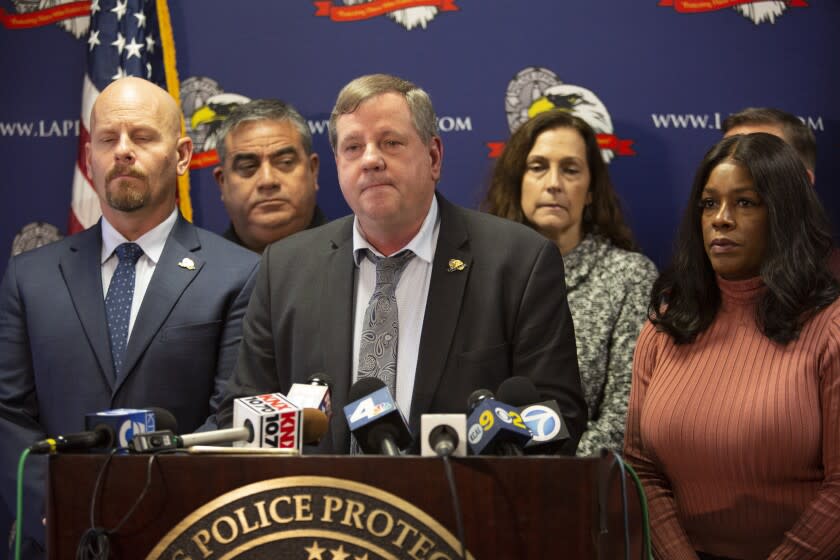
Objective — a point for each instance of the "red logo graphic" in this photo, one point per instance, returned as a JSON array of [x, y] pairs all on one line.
[[694, 6], [376, 8], [39, 18]]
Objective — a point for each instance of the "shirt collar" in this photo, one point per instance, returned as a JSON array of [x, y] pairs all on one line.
[[422, 244], [151, 242]]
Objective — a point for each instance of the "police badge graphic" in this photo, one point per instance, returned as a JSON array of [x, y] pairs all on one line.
[[408, 13], [309, 518], [757, 11], [205, 106], [535, 90]]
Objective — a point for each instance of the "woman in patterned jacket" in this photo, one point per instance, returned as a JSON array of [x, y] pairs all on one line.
[[552, 177]]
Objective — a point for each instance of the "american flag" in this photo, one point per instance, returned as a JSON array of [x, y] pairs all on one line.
[[126, 38]]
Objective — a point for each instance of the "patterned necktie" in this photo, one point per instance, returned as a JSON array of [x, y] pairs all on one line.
[[118, 301], [381, 327]]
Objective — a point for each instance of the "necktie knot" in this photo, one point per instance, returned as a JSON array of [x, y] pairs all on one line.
[[388, 269], [129, 251]]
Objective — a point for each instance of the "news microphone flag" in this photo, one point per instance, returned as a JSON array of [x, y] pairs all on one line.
[[306, 395], [375, 419], [126, 38], [277, 422], [126, 423], [492, 423]]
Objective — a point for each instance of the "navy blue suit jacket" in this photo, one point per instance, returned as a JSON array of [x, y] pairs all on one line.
[[55, 355]]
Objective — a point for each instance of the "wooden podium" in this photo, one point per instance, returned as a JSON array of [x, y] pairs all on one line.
[[518, 507]]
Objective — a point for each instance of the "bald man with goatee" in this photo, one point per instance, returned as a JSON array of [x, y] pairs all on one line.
[[142, 309]]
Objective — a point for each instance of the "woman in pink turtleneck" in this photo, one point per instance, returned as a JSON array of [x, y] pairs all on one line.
[[734, 415]]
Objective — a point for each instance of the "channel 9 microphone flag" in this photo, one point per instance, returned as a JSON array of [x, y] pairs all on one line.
[[277, 422], [126, 38]]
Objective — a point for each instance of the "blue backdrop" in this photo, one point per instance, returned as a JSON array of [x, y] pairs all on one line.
[[662, 73]]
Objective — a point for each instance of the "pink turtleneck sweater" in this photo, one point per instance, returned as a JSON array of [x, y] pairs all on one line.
[[737, 438]]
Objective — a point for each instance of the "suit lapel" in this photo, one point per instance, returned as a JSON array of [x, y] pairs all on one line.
[[443, 308], [81, 268], [336, 326], [168, 282]]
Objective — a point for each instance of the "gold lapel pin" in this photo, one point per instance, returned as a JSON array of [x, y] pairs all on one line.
[[456, 265], [187, 263]]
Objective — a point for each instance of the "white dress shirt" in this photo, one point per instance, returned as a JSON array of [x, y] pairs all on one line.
[[412, 293], [151, 242]]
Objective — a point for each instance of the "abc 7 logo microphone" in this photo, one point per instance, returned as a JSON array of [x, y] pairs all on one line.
[[546, 424]]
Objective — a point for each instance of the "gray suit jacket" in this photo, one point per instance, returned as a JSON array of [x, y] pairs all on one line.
[[55, 355], [505, 314]]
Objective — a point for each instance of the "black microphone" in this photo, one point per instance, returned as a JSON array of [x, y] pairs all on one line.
[[542, 417], [494, 427], [106, 430], [375, 419], [443, 439]]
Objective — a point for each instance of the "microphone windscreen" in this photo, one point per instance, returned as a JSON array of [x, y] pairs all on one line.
[[320, 379], [164, 420], [315, 425], [518, 391], [364, 387], [476, 397]]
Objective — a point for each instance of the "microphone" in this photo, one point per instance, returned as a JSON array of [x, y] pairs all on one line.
[[443, 435], [314, 427], [494, 427], [374, 418], [277, 422], [315, 393], [105, 430], [542, 417]]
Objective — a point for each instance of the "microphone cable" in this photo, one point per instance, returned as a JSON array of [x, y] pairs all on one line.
[[94, 543], [617, 460], [456, 503], [19, 505], [626, 469], [647, 549]]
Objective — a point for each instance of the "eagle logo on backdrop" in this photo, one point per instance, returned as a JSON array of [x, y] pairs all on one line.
[[34, 235], [535, 90], [206, 105], [758, 11], [408, 13]]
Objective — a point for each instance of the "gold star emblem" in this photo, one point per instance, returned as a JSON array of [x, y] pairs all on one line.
[[339, 554], [187, 263], [456, 265], [315, 551]]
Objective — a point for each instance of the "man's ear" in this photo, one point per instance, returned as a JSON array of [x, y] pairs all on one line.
[[314, 166], [219, 175], [185, 151]]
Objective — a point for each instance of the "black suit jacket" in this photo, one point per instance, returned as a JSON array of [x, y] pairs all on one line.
[[505, 314]]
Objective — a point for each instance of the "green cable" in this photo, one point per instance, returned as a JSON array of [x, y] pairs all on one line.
[[647, 552], [19, 518]]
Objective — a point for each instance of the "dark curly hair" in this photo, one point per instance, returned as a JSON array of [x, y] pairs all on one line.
[[504, 197], [686, 297]]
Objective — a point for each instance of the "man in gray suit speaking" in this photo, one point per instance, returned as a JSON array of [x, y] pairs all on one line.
[[143, 309], [433, 299]]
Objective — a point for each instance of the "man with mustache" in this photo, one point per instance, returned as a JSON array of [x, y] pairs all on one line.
[[433, 299], [268, 174], [142, 309]]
